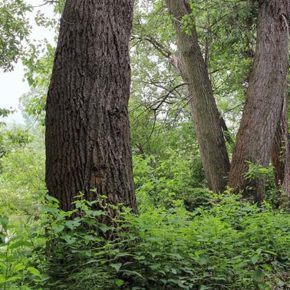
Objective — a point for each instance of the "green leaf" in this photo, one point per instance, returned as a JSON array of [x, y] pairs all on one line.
[[57, 228], [34, 271], [116, 266], [119, 282], [70, 240], [104, 228], [19, 267], [258, 276], [255, 259], [19, 244], [203, 260], [133, 273], [4, 222], [72, 224], [14, 278], [97, 213], [2, 279]]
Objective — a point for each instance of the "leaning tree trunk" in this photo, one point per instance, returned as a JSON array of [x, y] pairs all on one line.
[[87, 127], [204, 110], [264, 97]]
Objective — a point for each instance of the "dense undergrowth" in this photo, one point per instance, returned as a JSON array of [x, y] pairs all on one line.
[[184, 237], [225, 244]]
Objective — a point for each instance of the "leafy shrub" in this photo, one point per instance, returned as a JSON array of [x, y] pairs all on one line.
[[13, 139], [161, 181], [78, 253], [231, 244], [22, 181], [18, 259], [182, 250]]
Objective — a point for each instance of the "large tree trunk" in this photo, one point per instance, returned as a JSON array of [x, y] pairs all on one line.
[[264, 97], [87, 127], [208, 124]]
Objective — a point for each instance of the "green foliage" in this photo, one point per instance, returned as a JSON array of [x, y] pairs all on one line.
[[13, 139], [155, 135], [232, 244], [83, 249], [255, 171], [272, 194], [184, 237], [22, 174], [173, 178], [38, 71], [14, 28], [17, 259], [226, 32], [4, 112], [21, 190]]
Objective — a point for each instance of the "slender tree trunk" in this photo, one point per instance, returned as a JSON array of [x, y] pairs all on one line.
[[264, 97], [87, 126], [204, 110]]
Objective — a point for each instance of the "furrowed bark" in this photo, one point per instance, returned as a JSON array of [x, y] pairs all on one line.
[[264, 98], [87, 126], [279, 149], [208, 124], [281, 155]]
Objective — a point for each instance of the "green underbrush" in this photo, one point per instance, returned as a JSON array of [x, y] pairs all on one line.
[[184, 237]]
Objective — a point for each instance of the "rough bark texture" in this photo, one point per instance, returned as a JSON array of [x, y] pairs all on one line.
[[87, 126], [279, 149], [206, 117], [264, 97], [281, 156], [286, 180]]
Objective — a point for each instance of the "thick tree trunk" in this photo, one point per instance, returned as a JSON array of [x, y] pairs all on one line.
[[87, 127], [204, 110], [264, 97]]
